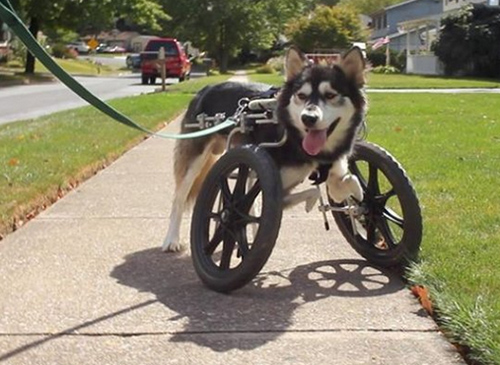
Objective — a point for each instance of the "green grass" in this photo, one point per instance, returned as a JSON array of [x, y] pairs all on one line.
[[39, 158], [196, 84], [380, 81], [78, 67], [450, 146], [15, 72]]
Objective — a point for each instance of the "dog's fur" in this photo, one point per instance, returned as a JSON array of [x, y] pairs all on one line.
[[321, 108]]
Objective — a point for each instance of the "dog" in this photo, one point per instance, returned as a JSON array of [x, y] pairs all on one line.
[[322, 109]]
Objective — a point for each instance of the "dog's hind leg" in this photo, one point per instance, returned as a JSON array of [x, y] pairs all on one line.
[[190, 173], [341, 183]]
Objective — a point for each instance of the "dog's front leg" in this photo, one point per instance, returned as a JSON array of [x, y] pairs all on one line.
[[172, 241], [341, 183]]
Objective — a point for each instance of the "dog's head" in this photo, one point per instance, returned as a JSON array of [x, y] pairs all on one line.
[[324, 103]]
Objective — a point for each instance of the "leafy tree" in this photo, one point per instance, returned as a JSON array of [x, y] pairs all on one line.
[[327, 28], [224, 27], [468, 43], [368, 6], [69, 14]]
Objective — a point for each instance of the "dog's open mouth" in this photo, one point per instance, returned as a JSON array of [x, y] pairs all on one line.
[[315, 139]]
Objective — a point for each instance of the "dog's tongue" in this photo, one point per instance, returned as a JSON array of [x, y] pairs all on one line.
[[314, 141]]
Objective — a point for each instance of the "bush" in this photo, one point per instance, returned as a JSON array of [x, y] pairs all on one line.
[[377, 58], [468, 43], [61, 51], [385, 70], [327, 27], [277, 63], [265, 69]]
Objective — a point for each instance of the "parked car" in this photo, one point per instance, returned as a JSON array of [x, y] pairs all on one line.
[[103, 48], [177, 63], [133, 61], [80, 47]]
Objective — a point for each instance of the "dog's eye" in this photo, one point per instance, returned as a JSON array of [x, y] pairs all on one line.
[[302, 96], [330, 96]]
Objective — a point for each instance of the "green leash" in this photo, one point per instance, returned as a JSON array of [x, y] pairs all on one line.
[[9, 16]]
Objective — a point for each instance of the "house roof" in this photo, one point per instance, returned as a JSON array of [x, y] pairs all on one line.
[[417, 23], [400, 4]]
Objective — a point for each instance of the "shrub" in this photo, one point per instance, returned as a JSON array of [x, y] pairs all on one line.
[[334, 27], [265, 69], [385, 70], [377, 58], [59, 50], [468, 43], [277, 63]]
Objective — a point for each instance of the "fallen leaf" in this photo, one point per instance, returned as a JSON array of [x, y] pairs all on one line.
[[13, 162], [423, 295]]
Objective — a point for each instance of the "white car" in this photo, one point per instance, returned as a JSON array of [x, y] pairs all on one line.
[[80, 47]]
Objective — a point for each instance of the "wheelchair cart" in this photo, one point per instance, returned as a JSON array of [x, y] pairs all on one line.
[[237, 215]]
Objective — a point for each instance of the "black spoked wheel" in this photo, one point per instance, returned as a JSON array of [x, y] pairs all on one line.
[[389, 230], [236, 218]]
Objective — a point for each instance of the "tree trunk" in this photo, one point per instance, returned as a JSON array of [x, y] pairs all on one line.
[[223, 52], [30, 59]]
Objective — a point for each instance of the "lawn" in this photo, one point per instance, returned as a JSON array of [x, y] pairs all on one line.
[[14, 72], [42, 158], [380, 81], [450, 146]]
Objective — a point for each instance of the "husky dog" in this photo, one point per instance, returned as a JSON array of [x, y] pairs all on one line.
[[321, 108]]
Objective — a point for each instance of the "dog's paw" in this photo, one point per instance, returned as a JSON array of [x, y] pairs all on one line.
[[340, 189], [171, 246]]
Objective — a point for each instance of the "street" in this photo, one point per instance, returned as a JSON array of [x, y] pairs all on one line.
[[32, 101]]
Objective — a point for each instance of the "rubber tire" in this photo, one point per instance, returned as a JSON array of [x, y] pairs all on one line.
[[408, 248], [227, 280], [152, 80], [144, 79]]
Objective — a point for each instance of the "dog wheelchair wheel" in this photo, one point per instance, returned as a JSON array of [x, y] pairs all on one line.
[[387, 231], [236, 218]]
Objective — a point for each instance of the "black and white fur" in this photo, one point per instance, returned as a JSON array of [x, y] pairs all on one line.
[[322, 109]]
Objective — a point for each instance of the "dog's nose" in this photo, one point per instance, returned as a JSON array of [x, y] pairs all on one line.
[[309, 120]]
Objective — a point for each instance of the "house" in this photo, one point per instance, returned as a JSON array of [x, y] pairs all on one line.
[[412, 26], [386, 22]]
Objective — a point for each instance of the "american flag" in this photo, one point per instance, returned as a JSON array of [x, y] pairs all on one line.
[[380, 42]]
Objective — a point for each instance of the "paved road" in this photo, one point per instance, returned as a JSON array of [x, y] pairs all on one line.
[[31, 101]]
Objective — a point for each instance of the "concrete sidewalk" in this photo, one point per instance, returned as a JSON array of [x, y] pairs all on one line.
[[86, 283]]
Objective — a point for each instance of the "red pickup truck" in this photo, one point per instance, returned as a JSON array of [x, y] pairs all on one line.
[[177, 63]]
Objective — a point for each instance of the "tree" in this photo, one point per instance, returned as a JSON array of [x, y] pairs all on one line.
[[224, 27], [69, 14], [468, 43], [326, 28], [368, 6]]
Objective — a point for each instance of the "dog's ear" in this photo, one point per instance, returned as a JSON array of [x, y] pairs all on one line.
[[295, 61], [353, 64]]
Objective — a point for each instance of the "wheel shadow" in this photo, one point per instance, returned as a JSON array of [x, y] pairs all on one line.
[[263, 308]]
